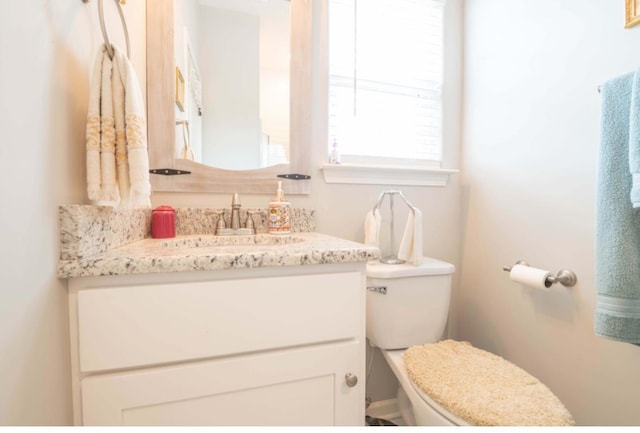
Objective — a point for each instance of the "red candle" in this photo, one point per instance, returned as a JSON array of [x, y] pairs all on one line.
[[163, 222]]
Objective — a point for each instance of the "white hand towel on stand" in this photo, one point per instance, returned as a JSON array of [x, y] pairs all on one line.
[[372, 222], [411, 244]]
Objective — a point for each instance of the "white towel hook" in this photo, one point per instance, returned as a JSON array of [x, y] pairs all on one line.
[[103, 27]]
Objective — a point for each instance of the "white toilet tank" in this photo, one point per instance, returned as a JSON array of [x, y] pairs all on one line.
[[414, 308]]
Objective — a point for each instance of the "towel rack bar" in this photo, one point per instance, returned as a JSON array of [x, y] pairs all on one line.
[[391, 193], [103, 27]]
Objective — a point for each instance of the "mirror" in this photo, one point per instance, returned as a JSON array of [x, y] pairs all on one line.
[[234, 58], [171, 101]]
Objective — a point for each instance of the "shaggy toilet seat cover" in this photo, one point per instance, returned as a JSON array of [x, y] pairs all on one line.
[[482, 388]]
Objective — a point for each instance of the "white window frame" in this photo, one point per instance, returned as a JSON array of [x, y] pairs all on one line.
[[387, 171]]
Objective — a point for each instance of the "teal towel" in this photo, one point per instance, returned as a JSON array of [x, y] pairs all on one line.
[[634, 141], [617, 314]]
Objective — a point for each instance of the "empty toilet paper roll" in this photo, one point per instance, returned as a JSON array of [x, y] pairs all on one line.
[[532, 277]]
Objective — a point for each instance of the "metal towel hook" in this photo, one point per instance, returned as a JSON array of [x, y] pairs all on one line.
[[103, 27]]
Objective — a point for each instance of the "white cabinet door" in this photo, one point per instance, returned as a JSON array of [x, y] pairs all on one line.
[[303, 386]]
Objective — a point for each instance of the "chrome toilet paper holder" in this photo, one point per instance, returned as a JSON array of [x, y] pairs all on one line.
[[564, 276]]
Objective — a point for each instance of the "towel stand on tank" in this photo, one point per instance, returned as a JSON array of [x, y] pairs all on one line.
[[103, 27], [393, 258]]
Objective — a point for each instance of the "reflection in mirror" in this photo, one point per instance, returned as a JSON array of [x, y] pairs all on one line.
[[172, 109], [235, 58]]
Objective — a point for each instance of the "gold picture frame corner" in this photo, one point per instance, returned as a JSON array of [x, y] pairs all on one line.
[[179, 89], [631, 13]]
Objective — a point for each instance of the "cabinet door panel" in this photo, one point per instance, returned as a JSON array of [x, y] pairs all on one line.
[[122, 327], [287, 387], [299, 402]]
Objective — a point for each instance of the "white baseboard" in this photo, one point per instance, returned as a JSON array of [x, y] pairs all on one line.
[[385, 409]]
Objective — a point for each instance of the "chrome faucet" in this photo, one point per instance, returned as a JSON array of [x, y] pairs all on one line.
[[235, 226], [235, 212]]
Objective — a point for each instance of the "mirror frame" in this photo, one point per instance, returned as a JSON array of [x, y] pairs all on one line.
[[161, 121]]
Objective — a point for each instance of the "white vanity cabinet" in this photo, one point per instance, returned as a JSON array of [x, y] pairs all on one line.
[[264, 346]]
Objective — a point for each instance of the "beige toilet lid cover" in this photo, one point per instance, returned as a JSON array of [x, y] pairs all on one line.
[[483, 388]]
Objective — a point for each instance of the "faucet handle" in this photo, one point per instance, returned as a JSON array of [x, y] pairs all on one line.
[[220, 224], [220, 214], [250, 224]]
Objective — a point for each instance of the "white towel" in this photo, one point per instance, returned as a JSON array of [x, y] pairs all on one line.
[[372, 222], [92, 135], [117, 158], [411, 244], [122, 164], [107, 137]]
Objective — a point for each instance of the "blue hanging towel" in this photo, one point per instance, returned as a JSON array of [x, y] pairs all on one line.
[[617, 314]]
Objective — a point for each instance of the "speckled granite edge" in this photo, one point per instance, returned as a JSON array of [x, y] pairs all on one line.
[[87, 230], [158, 255]]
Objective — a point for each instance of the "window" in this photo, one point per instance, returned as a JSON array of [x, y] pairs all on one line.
[[385, 81]]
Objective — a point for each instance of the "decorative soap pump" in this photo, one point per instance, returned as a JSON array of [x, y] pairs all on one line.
[[279, 213]]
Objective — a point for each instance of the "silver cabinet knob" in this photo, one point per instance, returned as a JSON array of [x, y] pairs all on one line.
[[351, 379]]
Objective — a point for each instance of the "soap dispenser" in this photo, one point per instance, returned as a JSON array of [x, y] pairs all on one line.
[[279, 213]]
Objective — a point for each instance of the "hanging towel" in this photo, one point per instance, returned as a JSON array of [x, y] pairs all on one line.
[[411, 244], [634, 141], [121, 159], [94, 184], [372, 222], [107, 137], [117, 158], [135, 132], [617, 314]]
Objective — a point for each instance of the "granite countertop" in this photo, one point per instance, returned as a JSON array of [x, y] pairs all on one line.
[[207, 252], [101, 240]]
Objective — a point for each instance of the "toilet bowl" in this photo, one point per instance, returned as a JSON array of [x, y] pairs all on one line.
[[407, 310], [416, 406]]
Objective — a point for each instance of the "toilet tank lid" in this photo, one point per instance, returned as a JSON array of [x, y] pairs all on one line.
[[428, 266]]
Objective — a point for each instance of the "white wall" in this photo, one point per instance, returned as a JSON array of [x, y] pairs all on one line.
[[46, 48], [531, 133]]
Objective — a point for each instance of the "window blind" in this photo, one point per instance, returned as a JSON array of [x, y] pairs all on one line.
[[385, 78]]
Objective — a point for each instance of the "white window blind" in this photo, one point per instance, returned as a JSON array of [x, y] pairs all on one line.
[[385, 79]]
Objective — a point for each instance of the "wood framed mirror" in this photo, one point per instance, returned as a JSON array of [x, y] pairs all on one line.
[[162, 122]]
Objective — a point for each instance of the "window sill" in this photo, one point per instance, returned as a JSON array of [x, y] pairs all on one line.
[[386, 175]]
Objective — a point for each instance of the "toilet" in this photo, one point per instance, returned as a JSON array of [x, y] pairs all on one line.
[[407, 309]]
